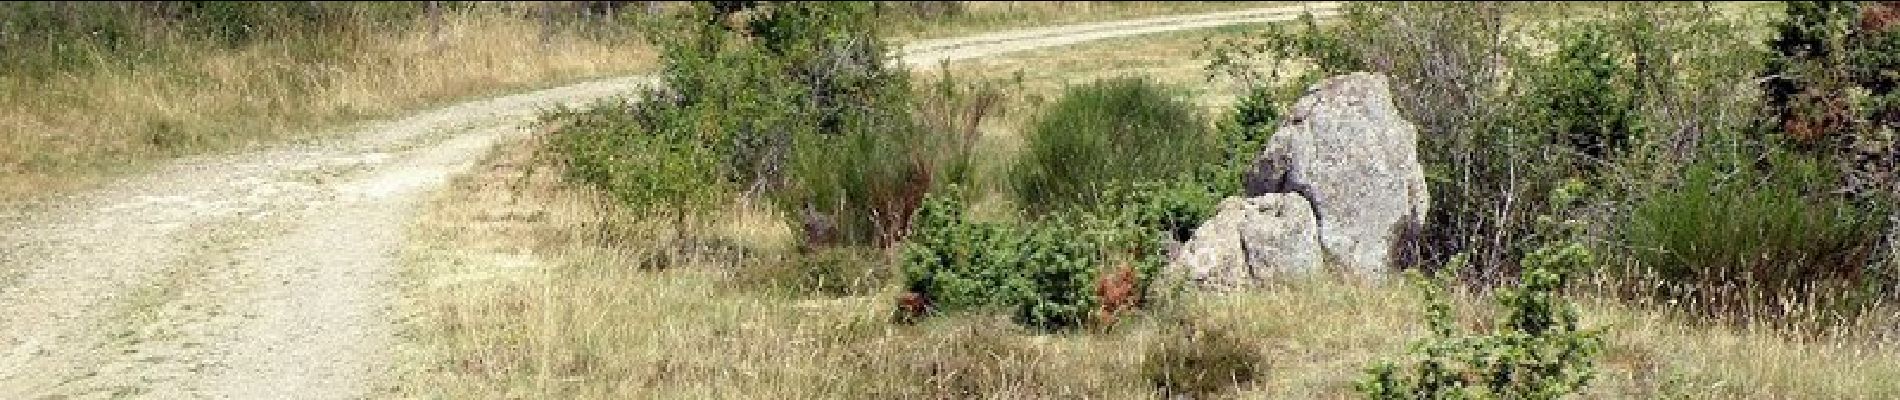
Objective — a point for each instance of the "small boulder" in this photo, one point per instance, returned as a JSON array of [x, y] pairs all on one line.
[[1251, 239]]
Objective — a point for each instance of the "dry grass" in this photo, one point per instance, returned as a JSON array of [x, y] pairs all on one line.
[[1169, 58], [76, 128], [980, 16]]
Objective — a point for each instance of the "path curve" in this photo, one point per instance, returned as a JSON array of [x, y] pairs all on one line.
[[271, 274]]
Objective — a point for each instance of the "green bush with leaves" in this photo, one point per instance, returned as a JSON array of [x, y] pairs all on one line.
[[1105, 133], [1538, 352], [1045, 271]]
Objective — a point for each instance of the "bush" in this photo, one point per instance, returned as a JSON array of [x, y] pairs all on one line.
[[1830, 89], [1049, 272], [1539, 352], [1735, 236], [1107, 133], [1202, 361], [1173, 207], [800, 106], [1585, 96], [874, 180], [637, 153]]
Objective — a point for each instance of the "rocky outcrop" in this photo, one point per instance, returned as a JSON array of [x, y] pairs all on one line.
[[1338, 185], [1250, 239], [1346, 149]]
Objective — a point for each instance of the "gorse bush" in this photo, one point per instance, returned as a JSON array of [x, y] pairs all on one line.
[[1737, 238], [800, 69], [1106, 133], [1538, 352], [1049, 272]]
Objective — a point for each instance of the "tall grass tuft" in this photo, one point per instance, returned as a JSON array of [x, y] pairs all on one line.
[[1741, 239], [1106, 133]]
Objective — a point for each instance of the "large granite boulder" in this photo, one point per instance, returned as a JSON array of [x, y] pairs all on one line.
[[1250, 239], [1345, 147]]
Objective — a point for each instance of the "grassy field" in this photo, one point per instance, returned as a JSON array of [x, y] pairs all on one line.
[[79, 126], [524, 285]]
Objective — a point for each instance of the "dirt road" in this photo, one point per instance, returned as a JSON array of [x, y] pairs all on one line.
[[271, 274]]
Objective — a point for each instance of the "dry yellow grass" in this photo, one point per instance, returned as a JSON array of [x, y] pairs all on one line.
[[1170, 58], [76, 128], [981, 16]]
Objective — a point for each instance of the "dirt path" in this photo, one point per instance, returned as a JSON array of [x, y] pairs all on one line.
[[271, 274]]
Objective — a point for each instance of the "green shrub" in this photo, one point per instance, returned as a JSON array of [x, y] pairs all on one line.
[[637, 153], [1173, 207], [1729, 236], [1584, 95], [1537, 353], [801, 107], [1202, 361], [1045, 271], [1106, 133], [873, 180]]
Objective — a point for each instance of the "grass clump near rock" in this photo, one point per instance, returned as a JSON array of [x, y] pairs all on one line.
[[1109, 132]]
